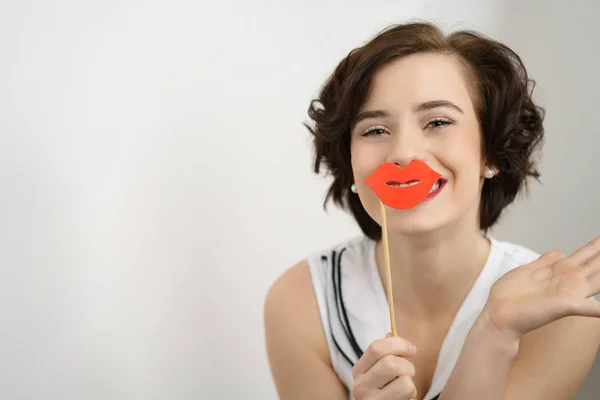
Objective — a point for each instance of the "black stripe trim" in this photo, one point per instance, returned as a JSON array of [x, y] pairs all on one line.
[[337, 345], [336, 291], [339, 348], [351, 338]]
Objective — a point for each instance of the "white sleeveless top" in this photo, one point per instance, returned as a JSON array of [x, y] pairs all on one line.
[[354, 310]]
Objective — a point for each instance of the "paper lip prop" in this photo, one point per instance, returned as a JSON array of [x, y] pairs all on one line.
[[404, 197]]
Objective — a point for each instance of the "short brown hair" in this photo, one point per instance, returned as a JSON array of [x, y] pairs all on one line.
[[510, 122]]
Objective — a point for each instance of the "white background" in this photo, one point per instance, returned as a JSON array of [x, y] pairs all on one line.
[[156, 177]]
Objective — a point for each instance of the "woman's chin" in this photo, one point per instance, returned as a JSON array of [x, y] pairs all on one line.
[[418, 223]]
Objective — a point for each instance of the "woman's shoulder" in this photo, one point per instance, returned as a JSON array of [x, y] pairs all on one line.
[[302, 278], [293, 306], [292, 286], [291, 312], [298, 291], [295, 339]]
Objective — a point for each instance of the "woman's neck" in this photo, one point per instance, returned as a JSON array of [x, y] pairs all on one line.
[[432, 273]]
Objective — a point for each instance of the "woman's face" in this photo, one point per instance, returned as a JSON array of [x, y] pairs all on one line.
[[420, 108]]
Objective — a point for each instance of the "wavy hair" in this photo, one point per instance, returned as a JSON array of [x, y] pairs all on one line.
[[510, 122]]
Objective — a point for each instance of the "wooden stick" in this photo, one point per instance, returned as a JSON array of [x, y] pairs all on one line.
[[388, 270]]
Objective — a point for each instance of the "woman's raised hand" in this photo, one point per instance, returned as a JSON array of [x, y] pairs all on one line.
[[550, 288]]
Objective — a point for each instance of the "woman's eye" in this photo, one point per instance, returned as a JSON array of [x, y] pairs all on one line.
[[374, 132], [437, 123]]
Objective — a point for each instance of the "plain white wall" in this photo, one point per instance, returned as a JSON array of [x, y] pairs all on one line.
[[156, 178]]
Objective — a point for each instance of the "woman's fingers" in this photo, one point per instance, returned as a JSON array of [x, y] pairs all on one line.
[[555, 264], [383, 372], [380, 348], [585, 254], [381, 365], [400, 388], [588, 259], [592, 262], [592, 271]]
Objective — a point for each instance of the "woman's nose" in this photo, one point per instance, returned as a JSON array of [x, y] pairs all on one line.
[[406, 147]]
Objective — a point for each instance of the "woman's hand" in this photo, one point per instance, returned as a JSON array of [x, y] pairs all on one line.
[[383, 372], [550, 288]]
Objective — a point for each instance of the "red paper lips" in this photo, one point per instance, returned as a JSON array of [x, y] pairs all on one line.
[[402, 188]]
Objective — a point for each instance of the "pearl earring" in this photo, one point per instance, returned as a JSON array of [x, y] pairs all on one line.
[[353, 188], [489, 173]]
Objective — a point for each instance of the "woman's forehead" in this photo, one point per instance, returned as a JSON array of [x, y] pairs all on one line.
[[420, 78]]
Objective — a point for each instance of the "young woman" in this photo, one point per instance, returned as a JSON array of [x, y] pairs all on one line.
[[477, 318]]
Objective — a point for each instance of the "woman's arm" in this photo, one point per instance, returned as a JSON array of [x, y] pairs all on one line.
[[549, 363], [296, 343], [554, 360], [483, 367], [538, 334]]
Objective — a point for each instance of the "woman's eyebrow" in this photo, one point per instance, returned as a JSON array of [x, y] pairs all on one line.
[[370, 114], [428, 105]]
